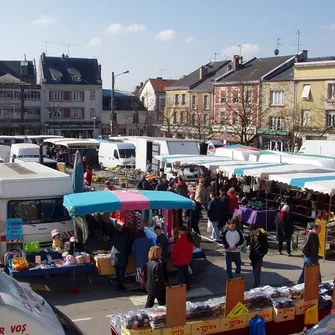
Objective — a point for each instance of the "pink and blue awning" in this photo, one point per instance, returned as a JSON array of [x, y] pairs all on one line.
[[107, 201]]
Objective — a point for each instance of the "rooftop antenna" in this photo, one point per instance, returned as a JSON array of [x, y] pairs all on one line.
[[216, 54], [161, 72], [241, 46], [69, 45], [276, 52], [298, 32], [46, 45]]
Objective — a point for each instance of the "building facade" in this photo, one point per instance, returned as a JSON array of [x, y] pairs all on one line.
[[315, 99], [20, 99], [71, 96]]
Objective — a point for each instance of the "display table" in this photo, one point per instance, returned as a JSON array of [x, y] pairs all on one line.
[[43, 253], [258, 217]]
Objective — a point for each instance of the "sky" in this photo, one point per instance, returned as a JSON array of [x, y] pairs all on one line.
[[176, 36]]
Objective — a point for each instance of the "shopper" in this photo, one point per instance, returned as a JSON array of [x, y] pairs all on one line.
[[182, 254], [284, 229], [233, 240], [181, 188], [140, 250], [156, 285], [233, 201], [193, 216], [258, 249], [209, 189], [225, 205], [88, 176], [163, 243], [200, 192], [162, 185], [310, 249], [139, 185], [119, 255], [171, 187], [214, 211], [109, 186]]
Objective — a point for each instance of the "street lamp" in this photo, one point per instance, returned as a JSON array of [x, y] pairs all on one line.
[[94, 118], [113, 99]]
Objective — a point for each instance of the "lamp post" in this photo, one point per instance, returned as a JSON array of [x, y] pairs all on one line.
[[53, 111], [94, 118], [113, 100]]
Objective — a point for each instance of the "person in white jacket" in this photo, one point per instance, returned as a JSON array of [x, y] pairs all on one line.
[[233, 240]]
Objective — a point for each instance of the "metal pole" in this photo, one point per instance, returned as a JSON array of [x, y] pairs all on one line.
[[94, 127], [113, 105]]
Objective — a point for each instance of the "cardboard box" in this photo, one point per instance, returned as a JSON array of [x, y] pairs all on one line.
[[104, 266], [206, 326], [237, 322], [182, 330], [283, 314], [302, 306], [265, 313], [141, 331]]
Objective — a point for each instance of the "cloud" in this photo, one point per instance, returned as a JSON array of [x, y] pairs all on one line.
[[135, 28], [115, 28], [44, 20], [247, 50], [189, 39], [165, 35], [95, 41], [331, 26]]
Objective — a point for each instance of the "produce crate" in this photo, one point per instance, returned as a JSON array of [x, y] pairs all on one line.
[[283, 314], [237, 322], [206, 326], [265, 313], [302, 306], [141, 331], [182, 330]]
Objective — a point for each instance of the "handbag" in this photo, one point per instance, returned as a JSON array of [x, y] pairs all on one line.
[[32, 247]]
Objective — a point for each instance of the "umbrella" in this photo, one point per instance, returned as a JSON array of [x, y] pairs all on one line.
[[78, 174]]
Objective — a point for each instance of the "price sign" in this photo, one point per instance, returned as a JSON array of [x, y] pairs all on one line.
[[14, 229]]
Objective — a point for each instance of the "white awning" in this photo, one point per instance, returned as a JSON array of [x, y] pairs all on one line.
[[306, 91]]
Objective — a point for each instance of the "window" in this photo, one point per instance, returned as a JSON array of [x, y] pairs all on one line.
[[77, 95], [17, 95], [92, 112], [193, 120], [92, 95], [235, 96], [56, 95], [206, 101], [75, 74], [38, 210], [121, 132], [330, 118], [116, 155], [235, 119], [276, 122], [223, 116], [205, 119], [135, 117], [32, 95], [331, 91], [162, 102], [306, 118], [10, 95], [223, 96], [277, 98], [55, 75], [132, 132], [182, 117], [194, 101], [77, 113], [183, 99], [174, 117], [176, 99], [248, 95], [306, 92]]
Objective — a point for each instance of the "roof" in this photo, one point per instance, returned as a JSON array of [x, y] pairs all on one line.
[[207, 84], [285, 75], [70, 71], [159, 84], [255, 69], [319, 59], [13, 68], [123, 101], [192, 79]]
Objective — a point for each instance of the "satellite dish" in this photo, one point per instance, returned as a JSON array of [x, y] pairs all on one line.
[[276, 52]]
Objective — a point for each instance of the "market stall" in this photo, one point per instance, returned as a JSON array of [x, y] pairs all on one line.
[[285, 310]]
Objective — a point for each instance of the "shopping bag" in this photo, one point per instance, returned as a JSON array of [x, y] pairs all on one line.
[[190, 271], [257, 326], [209, 227], [312, 315], [32, 247]]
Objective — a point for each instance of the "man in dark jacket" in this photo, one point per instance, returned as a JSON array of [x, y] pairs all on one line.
[[225, 201], [182, 188], [214, 212], [119, 255], [163, 243], [258, 249], [162, 185], [310, 249]]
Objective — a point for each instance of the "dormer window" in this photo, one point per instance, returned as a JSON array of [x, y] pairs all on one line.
[[75, 74], [56, 75]]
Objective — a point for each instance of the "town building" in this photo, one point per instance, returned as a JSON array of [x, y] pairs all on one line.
[[315, 99], [132, 118], [239, 104], [71, 95], [178, 102], [20, 98], [152, 96]]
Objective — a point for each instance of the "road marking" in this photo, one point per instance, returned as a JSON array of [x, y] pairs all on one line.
[[109, 316], [83, 319]]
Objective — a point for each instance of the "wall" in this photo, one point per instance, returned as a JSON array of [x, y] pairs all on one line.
[[148, 95]]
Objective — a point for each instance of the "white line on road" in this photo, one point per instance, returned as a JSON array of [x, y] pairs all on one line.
[[83, 319], [108, 316]]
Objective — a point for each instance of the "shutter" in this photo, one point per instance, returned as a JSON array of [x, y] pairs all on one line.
[[67, 111], [67, 95]]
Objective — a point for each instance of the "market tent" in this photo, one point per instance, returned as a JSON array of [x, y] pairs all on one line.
[[239, 169], [190, 159], [300, 179], [264, 172], [107, 201], [239, 153], [321, 186]]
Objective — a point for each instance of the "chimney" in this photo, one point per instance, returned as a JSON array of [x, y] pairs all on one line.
[[99, 68], [159, 77], [241, 59], [141, 84], [43, 56], [24, 66], [202, 72], [137, 87], [63, 56], [236, 62], [301, 56]]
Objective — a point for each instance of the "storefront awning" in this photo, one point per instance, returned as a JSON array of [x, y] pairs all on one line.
[[107, 201]]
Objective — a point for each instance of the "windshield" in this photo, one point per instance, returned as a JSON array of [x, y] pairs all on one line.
[[37, 210], [126, 153]]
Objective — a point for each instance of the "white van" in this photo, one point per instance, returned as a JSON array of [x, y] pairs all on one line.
[[116, 154], [34, 193], [28, 152], [25, 312], [318, 147]]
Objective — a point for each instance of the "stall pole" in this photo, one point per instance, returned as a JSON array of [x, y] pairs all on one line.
[[266, 205], [326, 231]]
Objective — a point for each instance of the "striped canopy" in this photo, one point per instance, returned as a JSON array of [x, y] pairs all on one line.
[[110, 201]]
